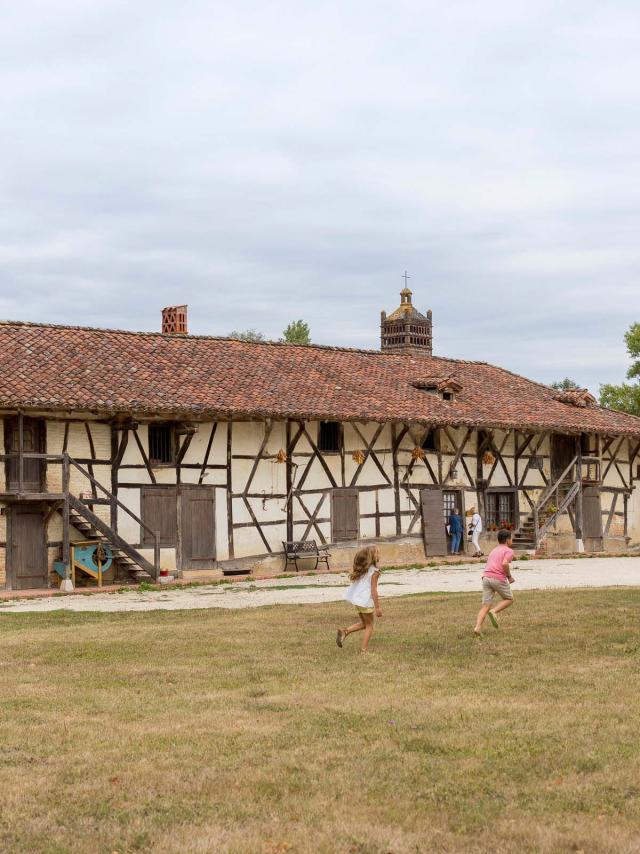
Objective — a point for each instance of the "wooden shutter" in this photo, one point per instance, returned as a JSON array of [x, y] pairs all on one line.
[[197, 520], [27, 552], [345, 515], [591, 513], [433, 529], [33, 442], [159, 512]]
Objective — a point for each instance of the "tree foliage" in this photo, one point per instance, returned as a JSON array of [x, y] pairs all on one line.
[[626, 397], [565, 385], [297, 332], [247, 335]]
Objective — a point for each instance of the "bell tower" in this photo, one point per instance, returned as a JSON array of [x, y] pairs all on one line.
[[406, 330]]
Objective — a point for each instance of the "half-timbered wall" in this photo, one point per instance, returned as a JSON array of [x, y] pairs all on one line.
[[269, 481]]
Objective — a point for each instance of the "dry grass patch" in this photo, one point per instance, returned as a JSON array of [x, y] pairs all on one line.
[[249, 731]]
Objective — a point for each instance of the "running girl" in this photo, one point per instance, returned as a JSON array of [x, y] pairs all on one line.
[[363, 593]]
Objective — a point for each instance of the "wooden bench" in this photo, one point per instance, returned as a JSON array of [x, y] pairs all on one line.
[[304, 549]]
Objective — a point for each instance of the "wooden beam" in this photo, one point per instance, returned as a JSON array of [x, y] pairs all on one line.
[[369, 452], [207, 452], [321, 459], [230, 490], [143, 454], [256, 462]]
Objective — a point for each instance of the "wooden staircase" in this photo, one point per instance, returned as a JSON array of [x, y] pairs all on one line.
[[525, 538], [555, 500], [129, 564]]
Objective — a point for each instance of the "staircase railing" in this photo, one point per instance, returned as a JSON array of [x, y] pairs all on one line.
[[68, 461], [544, 513], [63, 497]]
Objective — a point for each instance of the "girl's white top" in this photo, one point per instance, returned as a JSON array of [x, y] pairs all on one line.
[[360, 591], [476, 523]]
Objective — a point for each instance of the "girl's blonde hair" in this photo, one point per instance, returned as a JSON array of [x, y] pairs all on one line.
[[364, 559]]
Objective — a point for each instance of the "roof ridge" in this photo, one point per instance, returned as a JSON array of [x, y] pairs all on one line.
[[269, 343]]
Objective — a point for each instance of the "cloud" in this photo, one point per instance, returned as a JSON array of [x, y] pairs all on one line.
[[264, 162]]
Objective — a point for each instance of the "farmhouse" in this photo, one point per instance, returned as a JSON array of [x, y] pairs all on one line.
[[126, 452]]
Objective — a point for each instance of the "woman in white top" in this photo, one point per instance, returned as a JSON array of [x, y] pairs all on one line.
[[363, 593], [475, 529]]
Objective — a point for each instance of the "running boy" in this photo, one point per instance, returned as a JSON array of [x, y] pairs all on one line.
[[496, 579], [363, 593]]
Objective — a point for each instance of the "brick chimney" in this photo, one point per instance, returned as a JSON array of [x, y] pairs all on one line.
[[174, 320]]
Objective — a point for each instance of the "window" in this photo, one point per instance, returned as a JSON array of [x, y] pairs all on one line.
[[537, 463], [330, 437], [447, 395], [500, 508], [159, 513], [161, 443], [429, 441]]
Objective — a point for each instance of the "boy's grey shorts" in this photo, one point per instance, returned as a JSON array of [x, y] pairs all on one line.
[[491, 586]]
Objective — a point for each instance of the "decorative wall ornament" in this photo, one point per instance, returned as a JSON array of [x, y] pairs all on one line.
[[418, 453], [281, 456], [488, 459], [358, 457]]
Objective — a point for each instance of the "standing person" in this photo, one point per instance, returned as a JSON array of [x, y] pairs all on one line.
[[363, 593], [455, 529], [496, 578], [475, 529]]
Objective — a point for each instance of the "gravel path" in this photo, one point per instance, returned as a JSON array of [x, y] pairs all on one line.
[[311, 589]]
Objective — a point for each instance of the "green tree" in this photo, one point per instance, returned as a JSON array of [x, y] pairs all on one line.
[[297, 332], [626, 396], [565, 385], [247, 335]]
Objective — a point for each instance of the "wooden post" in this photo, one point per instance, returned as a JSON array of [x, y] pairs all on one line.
[[113, 507], [67, 552], [579, 534], [230, 490], [396, 479], [156, 552], [289, 476], [20, 452]]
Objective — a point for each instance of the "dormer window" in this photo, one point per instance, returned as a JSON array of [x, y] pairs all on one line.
[[580, 397], [445, 388]]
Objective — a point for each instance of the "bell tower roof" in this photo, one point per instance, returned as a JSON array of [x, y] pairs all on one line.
[[406, 330]]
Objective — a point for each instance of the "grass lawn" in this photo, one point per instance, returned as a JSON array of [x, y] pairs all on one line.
[[250, 731]]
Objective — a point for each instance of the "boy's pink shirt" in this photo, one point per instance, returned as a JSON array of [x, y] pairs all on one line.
[[494, 568]]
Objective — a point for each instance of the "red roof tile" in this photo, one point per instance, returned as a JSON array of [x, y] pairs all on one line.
[[113, 372]]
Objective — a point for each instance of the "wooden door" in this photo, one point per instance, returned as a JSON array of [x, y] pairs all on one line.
[[159, 513], [592, 516], [563, 450], [32, 442], [452, 498], [197, 526], [345, 515], [26, 548], [433, 526]]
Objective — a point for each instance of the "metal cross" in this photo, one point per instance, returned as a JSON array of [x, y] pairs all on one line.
[[406, 277]]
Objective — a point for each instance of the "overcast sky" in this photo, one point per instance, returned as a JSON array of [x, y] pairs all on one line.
[[264, 161]]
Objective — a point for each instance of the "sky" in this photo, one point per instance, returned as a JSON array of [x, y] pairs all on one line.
[[268, 161]]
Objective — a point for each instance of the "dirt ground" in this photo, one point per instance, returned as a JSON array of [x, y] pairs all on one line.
[[310, 589]]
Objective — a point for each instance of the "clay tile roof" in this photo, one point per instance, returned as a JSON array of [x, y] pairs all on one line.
[[113, 372]]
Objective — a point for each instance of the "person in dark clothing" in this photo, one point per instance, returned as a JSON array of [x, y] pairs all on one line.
[[455, 529]]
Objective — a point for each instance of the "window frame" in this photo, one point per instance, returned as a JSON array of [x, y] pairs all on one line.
[[339, 437], [432, 447], [493, 494], [171, 427]]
